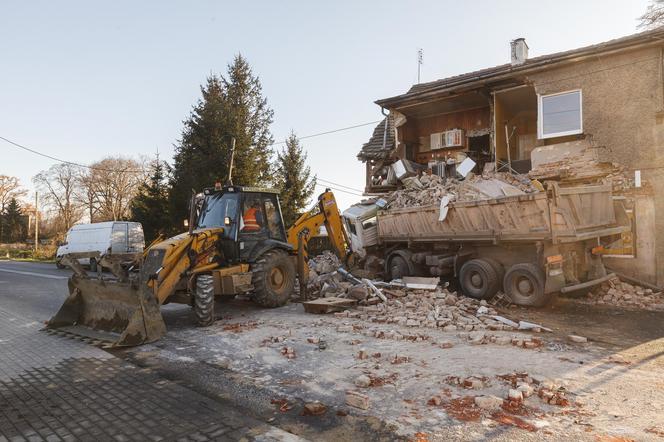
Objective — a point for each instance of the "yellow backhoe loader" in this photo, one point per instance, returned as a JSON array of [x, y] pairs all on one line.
[[236, 244]]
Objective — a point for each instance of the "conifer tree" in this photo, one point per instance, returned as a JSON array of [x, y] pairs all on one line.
[[293, 179], [14, 222], [231, 106], [150, 206]]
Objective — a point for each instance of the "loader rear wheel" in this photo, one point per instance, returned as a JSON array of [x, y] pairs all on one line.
[[479, 279], [204, 300], [524, 284], [273, 278]]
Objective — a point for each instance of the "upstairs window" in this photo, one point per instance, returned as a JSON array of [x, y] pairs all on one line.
[[559, 114]]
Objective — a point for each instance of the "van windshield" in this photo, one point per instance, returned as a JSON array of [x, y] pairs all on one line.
[[217, 207]]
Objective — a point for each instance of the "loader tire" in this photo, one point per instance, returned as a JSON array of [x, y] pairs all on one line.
[[204, 300], [479, 279], [273, 278], [93, 265]]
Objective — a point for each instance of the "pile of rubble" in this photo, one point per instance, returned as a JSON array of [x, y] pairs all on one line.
[[622, 294], [430, 189], [438, 308], [323, 276], [422, 191]]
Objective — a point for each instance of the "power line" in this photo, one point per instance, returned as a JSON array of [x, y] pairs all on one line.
[[339, 190], [71, 163], [330, 132], [60, 160], [337, 184]]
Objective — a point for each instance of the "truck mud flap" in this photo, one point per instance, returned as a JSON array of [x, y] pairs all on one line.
[[109, 312]]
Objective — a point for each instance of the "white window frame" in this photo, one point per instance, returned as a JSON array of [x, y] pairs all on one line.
[[540, 116]]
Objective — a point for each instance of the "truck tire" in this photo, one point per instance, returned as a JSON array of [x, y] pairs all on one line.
[[59, 265], [524, 284], [397, 267], [93, 265], [273, 278], [479, 279], [204, 300]]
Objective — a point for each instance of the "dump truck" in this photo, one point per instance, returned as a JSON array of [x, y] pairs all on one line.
[[236, 244], [530, 246]]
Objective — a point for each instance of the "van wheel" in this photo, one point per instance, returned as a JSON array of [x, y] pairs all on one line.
[[479, 279], [204, 300], [524, 284], [93, 265]]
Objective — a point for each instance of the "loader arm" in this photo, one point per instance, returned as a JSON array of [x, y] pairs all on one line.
[[176, 263], [326, 213]]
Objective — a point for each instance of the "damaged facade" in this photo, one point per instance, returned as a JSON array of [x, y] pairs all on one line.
[[601, 105]]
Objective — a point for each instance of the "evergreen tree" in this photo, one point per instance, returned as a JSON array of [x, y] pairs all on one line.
[[150, 206], [14, 222], [231, 106], [293, 179]]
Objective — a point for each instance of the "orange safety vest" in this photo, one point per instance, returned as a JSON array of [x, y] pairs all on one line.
[[250, 222]]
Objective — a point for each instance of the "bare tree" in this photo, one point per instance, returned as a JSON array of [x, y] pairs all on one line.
[[109, 187], [10, 188], [58, 186], [654, 15], [87, 194]]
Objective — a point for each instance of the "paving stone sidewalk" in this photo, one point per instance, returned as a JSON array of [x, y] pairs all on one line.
[[58, 389]]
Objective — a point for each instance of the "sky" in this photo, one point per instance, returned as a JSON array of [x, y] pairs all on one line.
[[81, 80]]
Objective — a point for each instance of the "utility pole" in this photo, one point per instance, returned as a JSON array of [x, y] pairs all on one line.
[[420, 60], [36, 221]]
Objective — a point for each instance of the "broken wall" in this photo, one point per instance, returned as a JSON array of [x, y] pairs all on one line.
[[623, 113]]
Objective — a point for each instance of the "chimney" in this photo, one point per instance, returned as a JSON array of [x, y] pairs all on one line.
[[519, 51]]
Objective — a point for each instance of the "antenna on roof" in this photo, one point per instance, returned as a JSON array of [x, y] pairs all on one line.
[[420, 58]]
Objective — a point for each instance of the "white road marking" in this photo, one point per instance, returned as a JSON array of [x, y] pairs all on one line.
[[41, 275]]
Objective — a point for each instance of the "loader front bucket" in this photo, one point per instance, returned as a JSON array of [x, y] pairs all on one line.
[[111, 312]]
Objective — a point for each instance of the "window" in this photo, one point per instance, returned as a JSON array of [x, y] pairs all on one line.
[[369, 223], [273, 218], [559, 114]]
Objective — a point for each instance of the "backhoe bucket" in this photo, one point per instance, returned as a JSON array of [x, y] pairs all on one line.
[[113, 313]]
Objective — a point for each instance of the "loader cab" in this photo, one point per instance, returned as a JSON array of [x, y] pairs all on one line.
[[251, 218]]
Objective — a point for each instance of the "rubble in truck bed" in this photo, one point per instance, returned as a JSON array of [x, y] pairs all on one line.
[[430, 189]]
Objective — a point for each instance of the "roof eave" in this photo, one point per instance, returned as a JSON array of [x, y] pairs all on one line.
[[539, 63]]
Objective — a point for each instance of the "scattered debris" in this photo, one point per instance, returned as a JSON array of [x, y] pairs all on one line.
[[488, 402], [357, 400], [313, 409], [282, 404], [288, 352], [463, 409], [328, 305], [577, 339], [362, 381]]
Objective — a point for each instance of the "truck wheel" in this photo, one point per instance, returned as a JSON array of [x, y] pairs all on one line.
[[397, 267], [204, 300], [273, 277], [479, 279], [59, 265], [93, 265], [524, 284]]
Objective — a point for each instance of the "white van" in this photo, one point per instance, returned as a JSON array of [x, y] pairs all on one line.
[[114, 237]]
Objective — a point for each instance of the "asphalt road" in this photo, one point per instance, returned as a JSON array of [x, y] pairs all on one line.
[[34, 290], [39, 370]]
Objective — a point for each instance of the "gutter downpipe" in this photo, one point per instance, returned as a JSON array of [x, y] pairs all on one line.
[[382, 111]]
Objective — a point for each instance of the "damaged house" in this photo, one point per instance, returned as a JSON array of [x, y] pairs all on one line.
[[575, 116]]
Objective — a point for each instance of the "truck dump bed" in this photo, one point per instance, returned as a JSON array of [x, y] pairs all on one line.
[[561, 214]]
